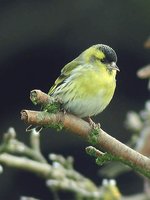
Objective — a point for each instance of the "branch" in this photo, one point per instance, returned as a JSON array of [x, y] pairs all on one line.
[[59, 178], [144, 72], [59, 175], [42, 169], [147, 43], [35, 146], [11, 145], [97, 137]]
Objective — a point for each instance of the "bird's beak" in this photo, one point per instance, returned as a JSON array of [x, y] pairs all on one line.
[[113, 66]]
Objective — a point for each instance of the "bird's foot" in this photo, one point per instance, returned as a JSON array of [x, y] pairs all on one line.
[[30, 128], [93, 124], [64, 111]]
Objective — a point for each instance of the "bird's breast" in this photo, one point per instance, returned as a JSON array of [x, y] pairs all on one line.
[[90, 93]]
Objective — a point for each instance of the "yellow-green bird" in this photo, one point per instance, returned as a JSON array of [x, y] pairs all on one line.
[[87, 84]]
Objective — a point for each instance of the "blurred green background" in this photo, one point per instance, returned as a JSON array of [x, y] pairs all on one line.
[[37, 38]]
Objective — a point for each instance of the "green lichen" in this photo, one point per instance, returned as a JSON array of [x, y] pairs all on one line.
[[106, 157], [94, 136], [91, 151], [53, 107], [101, 157], [33, 98], [45, 114], [58, 126]]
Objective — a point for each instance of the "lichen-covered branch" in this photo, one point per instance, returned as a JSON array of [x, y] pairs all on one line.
[[97, 137]]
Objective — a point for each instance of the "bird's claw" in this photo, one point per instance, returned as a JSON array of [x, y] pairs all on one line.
[[93, 124]]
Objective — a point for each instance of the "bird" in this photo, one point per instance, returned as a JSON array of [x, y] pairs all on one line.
[[86, 85]]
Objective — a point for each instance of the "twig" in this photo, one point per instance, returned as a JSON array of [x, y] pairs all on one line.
[[46, 170], [11, 145], [141, 196], [144, 72], [27, 198], [101, 139], [42, 169], [147, 43], [101, 157], [35, 146], [60, 177], [39, 97]]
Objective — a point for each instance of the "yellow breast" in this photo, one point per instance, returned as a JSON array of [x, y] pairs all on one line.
[[91, 91], [92, 81]]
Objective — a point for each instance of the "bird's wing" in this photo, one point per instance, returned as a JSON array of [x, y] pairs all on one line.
[[65, 73]]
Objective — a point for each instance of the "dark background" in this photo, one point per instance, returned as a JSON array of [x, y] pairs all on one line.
[[37, 38]]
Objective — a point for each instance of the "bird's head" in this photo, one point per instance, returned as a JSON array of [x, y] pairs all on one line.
[[102, 54]]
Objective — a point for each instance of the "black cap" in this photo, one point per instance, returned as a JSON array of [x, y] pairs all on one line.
[[110, 54]]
